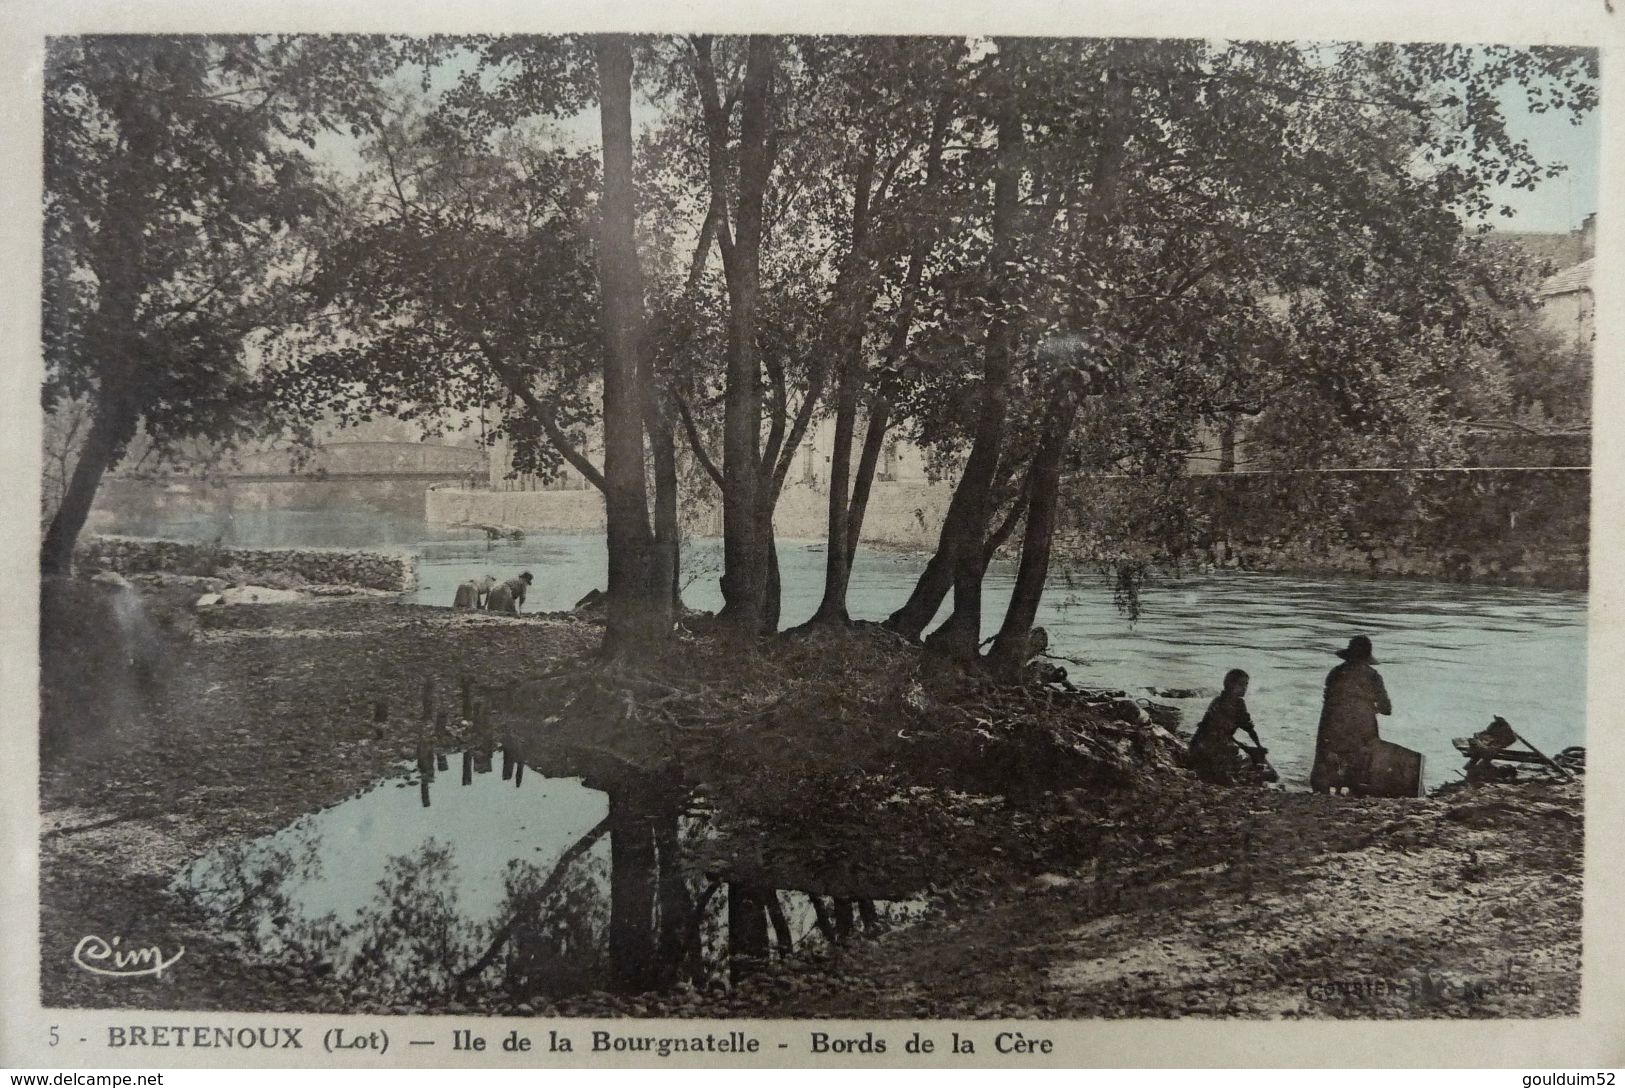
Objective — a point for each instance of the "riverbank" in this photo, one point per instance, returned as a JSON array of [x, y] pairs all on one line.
[[1491, 526], [1195, 901]]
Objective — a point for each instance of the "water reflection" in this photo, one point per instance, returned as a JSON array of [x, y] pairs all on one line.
[[536, 894]]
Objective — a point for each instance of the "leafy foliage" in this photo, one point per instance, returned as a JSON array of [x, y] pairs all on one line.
[[460, 276], [175, 179]]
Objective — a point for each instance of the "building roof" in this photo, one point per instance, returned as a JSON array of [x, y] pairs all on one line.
[[1568, 281], [1555, 250]]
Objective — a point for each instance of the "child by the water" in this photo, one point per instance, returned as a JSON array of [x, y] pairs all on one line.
[[1213, 754]]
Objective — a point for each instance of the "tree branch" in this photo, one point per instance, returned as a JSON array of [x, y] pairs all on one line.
[[544, 415], [694, 440], [716, 142], [798, 426], [781, 409], [1002, 533]]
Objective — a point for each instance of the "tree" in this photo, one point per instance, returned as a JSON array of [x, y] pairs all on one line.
[[641, 578], [842, 201], [738, 179], [897, 106], [175, 181], [1169, 177], [427, 302]]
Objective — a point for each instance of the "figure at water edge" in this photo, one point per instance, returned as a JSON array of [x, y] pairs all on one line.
[[1216, 755], [508, 596], [1354, 696]]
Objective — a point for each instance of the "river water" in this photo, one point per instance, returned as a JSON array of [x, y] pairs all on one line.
[[1452, 656]]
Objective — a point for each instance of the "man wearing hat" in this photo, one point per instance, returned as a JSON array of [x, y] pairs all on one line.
[[1348, 719]]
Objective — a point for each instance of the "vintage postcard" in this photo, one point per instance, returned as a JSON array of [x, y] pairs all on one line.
[[1015, 537]]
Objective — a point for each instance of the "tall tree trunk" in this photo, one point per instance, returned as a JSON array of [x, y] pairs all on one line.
[[773, 591], [854, 298], [1009, 651], [639, 610], [879, 421], [965, 528], [667, 576], [781, 924], [934, 582], [658, 407], [110, 432], [874, 442], [747, 927], [744, 553], [839, 543]]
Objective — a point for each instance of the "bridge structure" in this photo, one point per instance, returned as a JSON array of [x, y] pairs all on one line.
[[392, 477], [360, 460]]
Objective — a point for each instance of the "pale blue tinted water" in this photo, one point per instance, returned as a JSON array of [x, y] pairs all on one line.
[[402, 897], [1452, 656]]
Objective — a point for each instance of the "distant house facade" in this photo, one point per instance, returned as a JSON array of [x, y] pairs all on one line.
[[1567, 304]]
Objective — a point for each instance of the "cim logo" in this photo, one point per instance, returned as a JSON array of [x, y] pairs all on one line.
[[100, 956]]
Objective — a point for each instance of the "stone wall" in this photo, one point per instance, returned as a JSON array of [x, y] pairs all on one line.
[[556, 511], [1500, 526], [901, 514], [317, 566], [1494, 526]]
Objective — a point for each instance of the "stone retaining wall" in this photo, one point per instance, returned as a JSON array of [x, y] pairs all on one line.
[[317, 566], [903, 515], [1497, 526], [1491, 526]]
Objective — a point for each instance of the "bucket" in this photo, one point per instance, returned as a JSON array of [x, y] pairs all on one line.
[[1394, 771]]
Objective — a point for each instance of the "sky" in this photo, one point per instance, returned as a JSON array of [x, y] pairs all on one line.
[[1555, 205], [1558, 204]]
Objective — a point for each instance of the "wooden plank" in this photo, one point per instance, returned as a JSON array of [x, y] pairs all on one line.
[[1545, 759]]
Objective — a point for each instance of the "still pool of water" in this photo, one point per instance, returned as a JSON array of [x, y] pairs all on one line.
[[403, 889], [1452, 656], [401, 897]]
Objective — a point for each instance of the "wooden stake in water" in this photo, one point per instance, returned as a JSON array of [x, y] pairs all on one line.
[[440, 740], [468, 766]]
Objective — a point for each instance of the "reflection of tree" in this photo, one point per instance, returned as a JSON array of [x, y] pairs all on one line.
[[559, 944], [412, 937], [245, 885], [250, 888], [656, 908], [522, 907], [562, 937]]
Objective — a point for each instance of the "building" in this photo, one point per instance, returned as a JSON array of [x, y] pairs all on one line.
[[1567, 305]]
